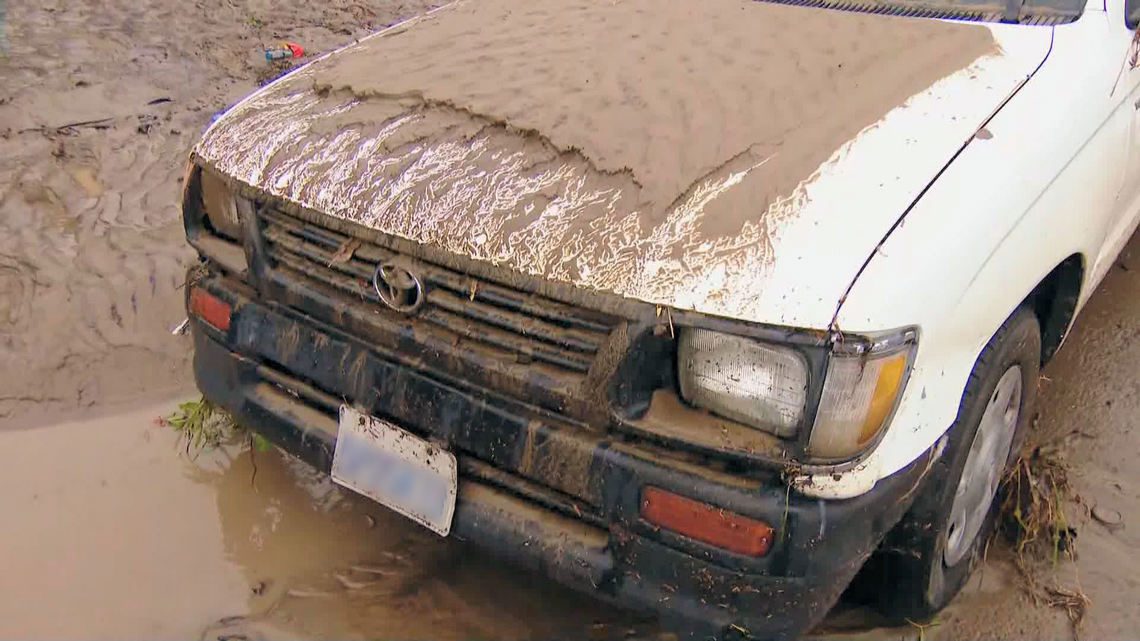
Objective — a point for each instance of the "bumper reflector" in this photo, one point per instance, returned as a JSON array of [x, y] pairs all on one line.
[[210, 308], [705, 523]]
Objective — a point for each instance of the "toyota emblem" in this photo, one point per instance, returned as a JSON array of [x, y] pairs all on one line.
[[398, 288]]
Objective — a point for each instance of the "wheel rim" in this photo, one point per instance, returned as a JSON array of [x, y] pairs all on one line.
[[984, 465]]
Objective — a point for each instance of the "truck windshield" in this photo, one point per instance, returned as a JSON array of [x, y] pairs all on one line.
[[1038, 12]]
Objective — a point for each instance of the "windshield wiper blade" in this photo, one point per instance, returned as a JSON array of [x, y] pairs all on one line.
[[1012, 12]]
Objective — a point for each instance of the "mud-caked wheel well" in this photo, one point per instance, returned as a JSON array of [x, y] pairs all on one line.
[[1054, 300]]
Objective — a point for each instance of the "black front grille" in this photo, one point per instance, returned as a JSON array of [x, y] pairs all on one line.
[[525, 328]]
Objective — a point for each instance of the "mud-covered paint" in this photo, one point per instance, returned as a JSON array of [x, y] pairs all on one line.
[[742, 191], [601, 545]]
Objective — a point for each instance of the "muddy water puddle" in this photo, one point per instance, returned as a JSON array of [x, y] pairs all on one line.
[[124, 536]]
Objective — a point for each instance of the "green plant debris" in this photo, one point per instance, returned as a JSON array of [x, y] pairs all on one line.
[[259, 442], [202, 425], [784, 518]]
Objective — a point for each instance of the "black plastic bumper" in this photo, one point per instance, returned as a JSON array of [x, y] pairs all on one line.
[[283, 374]]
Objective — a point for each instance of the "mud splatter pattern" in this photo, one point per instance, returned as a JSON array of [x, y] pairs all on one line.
[[643, 157]]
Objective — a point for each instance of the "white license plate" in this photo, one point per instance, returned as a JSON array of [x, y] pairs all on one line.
[[395, 468]]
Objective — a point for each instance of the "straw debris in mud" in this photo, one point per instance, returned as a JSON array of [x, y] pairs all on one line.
[[1036, 493]]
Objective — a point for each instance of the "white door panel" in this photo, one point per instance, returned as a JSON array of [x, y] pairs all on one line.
[[1125, 213]]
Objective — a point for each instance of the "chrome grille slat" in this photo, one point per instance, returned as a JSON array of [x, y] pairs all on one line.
[[526, 327], [524, 350], [360, 289], [309, 232], [318, 255], [522, 303]]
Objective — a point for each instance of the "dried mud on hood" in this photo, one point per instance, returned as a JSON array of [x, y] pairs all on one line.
[[652, 150]]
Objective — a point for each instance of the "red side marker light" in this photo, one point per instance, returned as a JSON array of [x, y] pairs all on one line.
[[210, 308], [706, 523]]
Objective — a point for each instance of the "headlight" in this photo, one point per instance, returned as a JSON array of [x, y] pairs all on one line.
[[859, 395], [220, 206], [742, 379]]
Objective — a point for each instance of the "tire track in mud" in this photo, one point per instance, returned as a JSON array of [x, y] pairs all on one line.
[[92, 255]]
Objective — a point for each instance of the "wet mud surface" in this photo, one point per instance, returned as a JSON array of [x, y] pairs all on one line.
[[100, 103], [125, 536], [111, 531]]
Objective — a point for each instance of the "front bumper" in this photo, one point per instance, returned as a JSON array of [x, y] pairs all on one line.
[[544, 492]]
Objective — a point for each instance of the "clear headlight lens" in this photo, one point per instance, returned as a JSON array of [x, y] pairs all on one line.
[[742, 379], [220, 206], [859, 395]]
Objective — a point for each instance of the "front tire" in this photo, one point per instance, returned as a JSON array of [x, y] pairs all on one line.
[[929, 555]]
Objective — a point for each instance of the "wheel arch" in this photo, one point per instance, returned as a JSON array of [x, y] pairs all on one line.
[[1054, 302]]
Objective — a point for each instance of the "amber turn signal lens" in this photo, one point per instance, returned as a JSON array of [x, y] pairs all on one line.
[[859, 394], [883, 399], [210, 308], [716, 526]]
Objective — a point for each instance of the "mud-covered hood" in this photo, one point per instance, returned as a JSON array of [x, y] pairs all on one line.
[[737, 158]]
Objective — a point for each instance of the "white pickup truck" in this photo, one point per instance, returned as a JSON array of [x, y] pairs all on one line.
[[690, 305]]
